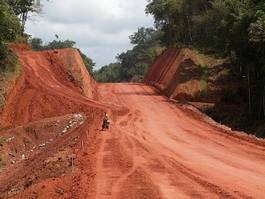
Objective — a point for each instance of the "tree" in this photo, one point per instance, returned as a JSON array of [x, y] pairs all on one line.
[[23, 7], [9, 27], [228, 28], [109, 73], [135, 62], [37, 45], [88, 63]]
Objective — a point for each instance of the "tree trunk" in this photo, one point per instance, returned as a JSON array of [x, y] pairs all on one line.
[[249, 94], [189, 29], [264, 102]]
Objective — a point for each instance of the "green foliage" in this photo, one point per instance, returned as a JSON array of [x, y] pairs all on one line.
[[204, 80], [109, 73], [37, 45], [9, 30], [22, 8], [134, 63], [88, 63], [55, 44], [9, 63], [9, 23], [234, 28]]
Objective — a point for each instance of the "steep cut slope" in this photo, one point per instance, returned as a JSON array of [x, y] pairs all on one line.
[[186, 74], [51, 84], [49, 114]]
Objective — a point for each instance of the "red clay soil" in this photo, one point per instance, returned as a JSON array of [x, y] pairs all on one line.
[[161, 149], [178, 74], [46, 121], [46, 88], [52, 146], [19, 47]]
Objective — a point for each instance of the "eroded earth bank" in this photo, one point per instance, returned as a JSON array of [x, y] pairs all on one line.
[[52, 147]]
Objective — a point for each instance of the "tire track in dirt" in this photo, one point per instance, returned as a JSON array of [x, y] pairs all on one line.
[[178, 156]]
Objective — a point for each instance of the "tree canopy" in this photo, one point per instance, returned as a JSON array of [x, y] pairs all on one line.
[[38, 45], [9, 28], [132, 64], [233, 28], [23, 7]]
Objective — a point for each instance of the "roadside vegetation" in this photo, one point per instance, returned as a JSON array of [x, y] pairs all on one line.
[[227, 28], [133, 64], [10, 31]]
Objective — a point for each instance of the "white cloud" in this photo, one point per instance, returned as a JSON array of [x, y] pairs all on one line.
[[100, 28]]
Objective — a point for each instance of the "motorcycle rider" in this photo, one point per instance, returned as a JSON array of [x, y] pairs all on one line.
[[106, 122]]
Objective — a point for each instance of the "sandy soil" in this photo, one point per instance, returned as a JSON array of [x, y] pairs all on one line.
[[162, 150]]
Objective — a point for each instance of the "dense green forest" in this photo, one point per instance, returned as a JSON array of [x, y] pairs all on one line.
[[132, 65]]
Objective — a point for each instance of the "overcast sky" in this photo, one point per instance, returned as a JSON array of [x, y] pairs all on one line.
[[99, 27]]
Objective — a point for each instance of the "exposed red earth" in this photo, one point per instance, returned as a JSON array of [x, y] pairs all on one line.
[[179, 74], [165, 150], [49, 116], [155, 148]]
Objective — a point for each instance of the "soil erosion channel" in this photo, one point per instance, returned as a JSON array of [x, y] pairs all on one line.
[[162, 150]]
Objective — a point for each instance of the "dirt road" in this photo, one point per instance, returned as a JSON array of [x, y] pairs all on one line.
[[157, 150]]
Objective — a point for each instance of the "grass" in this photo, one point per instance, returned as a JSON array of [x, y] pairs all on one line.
[[204, 80], [3, 152], [10, 69], [204, 75]]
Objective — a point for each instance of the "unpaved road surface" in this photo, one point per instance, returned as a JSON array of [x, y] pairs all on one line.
[[157, 150]]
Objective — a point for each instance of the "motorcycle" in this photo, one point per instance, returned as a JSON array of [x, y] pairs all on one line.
[[106, 125]]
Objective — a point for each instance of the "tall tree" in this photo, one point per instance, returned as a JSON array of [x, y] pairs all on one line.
[[234, 28], [23, 7], [9, 27]]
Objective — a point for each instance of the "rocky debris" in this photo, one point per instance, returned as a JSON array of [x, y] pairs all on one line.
[[11, 154], [42, 145], [8, 140], [78, 116], [14, 191], [60, 191], [78, 119]]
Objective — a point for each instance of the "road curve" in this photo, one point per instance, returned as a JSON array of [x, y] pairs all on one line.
[[158, 151]]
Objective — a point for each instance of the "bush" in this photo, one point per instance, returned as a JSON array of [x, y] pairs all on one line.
[[10, 61], [229, 96], [137, 78], [3, 51]]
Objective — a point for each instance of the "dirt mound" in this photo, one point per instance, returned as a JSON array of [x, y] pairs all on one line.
[[184, 74], [49, 114], [52, 83]]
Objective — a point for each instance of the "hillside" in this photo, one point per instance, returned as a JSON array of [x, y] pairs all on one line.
[[184, 74], [49, 109]]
